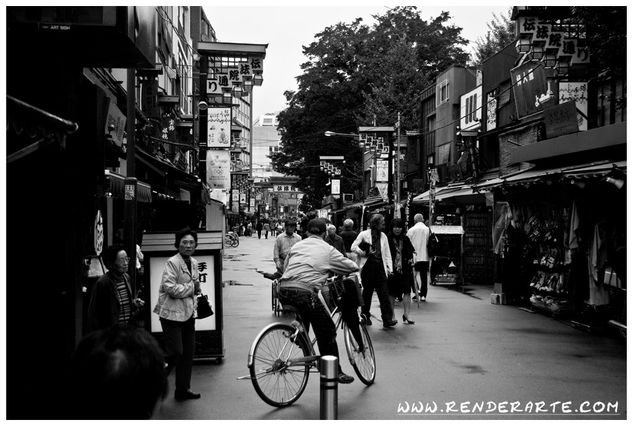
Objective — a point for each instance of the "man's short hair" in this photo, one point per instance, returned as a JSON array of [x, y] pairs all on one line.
[[348, 223], [117, 373], [317, 226], [330, 226], [419, 217]]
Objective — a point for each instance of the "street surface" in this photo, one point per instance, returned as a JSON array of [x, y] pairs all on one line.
[[463, 359]]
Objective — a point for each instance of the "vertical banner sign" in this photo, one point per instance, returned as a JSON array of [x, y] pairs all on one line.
[[491, 112], [206, 270], [219, 134], [219, 173], [382, 171], [336, 187], [531, 88], [577, 92]]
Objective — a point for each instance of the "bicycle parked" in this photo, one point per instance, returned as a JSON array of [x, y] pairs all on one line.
[[231, 239], [282, 355]]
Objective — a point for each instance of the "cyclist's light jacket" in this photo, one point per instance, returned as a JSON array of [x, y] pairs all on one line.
[[310, 261]]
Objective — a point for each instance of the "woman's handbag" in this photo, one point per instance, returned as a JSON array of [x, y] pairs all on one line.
[[204, 309]]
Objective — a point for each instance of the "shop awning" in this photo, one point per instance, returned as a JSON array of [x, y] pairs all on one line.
[[116, 186], [582, 171], [447, 229], [445, 193]]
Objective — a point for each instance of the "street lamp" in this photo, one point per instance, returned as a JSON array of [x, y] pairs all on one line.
[[351, 135]]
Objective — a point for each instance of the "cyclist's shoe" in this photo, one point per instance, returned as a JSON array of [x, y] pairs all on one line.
[[389, 324], [367, 320], [344, 378]]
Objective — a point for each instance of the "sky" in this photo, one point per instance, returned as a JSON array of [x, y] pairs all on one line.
[[286, 27]]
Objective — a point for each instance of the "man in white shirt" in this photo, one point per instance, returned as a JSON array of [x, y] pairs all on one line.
[[419, 236], [284, 243]]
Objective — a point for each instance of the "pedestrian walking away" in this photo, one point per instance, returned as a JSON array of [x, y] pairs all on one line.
[[419, 236], [349, 235], [266, 229], [372, 245], [284, 243], [308, 265], [259, 228], [401, 283], [180, 284]]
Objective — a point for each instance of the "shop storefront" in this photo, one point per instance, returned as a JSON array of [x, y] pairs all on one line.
[[560, 235]]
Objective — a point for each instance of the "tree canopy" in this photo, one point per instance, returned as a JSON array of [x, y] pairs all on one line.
[[358, 75], [500, 33]]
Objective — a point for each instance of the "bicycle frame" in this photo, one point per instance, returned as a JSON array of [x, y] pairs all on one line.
[[300, 333]]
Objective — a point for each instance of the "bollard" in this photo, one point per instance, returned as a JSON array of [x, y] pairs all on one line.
[[328, 366]]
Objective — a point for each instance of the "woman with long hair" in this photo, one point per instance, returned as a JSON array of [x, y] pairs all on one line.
[[401, 283]]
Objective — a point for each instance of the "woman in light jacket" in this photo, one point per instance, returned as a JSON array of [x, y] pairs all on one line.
[[176, 306], [376, 266]]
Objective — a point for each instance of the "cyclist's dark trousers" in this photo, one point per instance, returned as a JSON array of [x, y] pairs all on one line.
[[312, 312], [350, 310], [373, 277]]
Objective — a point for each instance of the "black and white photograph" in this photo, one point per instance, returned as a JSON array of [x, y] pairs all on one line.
[[336, 210]]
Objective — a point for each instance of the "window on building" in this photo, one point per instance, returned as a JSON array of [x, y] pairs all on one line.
[[430, 160], [444, 153], [441, 92]]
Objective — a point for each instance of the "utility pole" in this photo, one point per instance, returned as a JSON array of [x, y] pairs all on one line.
[[396, 210]]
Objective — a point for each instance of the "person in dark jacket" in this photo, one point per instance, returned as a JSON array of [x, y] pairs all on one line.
[[334, 240], [112, 300], [401, 283], [259, 228]]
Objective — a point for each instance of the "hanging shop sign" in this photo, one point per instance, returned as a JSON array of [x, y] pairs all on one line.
[[336, 187], [115, 124], [560, 119], [531, 87], [491, 111], [382, 171], [98, 233], [577, 92], [219, 169], [219, 127], [383, 190]]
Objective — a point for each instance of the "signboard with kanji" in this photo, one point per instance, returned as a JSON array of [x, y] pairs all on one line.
[[219, 169], [382, 171], [577, 92], [531, 88], [336, 187], [219, 127]]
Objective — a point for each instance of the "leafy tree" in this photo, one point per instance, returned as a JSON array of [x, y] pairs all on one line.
[[606, 36], [501, 32], [356, 74]]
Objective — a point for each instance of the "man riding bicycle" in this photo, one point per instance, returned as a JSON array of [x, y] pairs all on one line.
[[307, 267]]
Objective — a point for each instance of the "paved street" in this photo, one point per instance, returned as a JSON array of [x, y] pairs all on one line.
[[461, 352]]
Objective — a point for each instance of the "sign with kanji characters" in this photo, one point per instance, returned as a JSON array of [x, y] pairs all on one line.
[[206, 274], [560, 119], [382, 171], [577, 92], [219, 169], [336, 187], [98, 233], [491, 111], [257, 64], [530, 87], [219, 127]]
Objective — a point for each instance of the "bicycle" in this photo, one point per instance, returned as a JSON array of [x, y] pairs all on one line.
[[231, 239], [282, 355]]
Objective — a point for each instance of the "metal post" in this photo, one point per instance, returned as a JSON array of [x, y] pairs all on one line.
[[396, 210], [328, 366], [130, 198]]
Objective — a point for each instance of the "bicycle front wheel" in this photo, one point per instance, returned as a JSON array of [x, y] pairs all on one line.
[[363, 361], [276, 378]]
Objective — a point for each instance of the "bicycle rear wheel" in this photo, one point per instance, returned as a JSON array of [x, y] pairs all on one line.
[[277, 380], [364, 362]]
